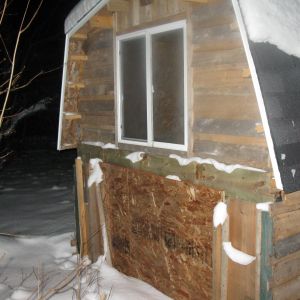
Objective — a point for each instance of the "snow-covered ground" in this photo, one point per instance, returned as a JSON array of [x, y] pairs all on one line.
[[36, 226]]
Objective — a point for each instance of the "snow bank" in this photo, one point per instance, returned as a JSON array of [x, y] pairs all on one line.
[[237, 256], [122, 287], [219, 166], [49, 256], [274, 21], [135, 156], [220, 214], [96, 174]]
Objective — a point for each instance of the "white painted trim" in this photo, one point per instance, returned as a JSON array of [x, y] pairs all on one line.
[[149, 88], [258, 93], [62, 95], [148, 32]]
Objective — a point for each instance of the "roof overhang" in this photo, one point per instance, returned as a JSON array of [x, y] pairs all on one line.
[[85, 8]]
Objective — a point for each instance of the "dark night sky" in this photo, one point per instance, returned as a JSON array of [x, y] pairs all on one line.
[[41, 48]]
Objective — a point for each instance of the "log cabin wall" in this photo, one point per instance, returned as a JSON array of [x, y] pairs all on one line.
[[285, 251], [96, 100], [89, 91], [224, 121]]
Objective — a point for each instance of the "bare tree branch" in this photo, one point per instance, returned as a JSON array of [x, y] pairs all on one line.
[[22, 28], [3, 11], [4, 45]]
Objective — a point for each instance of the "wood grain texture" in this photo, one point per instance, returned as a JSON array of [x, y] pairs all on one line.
[[242, 235], [161, 230]]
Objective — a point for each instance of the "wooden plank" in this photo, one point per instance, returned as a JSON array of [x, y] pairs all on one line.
[[242, 216], [78, 57], [95, 231], [100, 21], [225, 259], [79, 36], [98, 121], [287, 246], [258, 264], [226, 126], [75, 85], [266, 253], [94, 107], [286, 225], [81, 208], [216, 57], [143, 25], [285, 269], [232, 139], [288, 291], [217, 262], [233, 153], [197, 1], [226, 107], [241, 184], [118, 5], [96, 98], [72, 116]]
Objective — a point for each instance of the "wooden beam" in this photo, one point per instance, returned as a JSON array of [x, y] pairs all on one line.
[[118, 5], [197, 1], [232, 139], [81, 208]]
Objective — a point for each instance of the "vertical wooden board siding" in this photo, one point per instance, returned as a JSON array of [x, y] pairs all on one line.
[[160, 230], [242, 235]]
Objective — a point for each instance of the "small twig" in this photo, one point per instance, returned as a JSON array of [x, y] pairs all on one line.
[[4, 45], [3, 11]]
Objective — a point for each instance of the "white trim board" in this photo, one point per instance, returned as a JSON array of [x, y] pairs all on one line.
[[258, 94]]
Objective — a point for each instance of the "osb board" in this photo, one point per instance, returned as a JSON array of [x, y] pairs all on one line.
[[160, 230], [242, 235]]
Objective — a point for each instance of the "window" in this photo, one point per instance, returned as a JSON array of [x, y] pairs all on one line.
[[151, 66]]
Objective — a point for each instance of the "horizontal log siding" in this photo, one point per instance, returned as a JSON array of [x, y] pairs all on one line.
[[286, 248], [96, 100], [74, 83], [225, 112]]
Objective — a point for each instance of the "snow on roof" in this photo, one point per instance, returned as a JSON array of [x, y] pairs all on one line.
[[79, 12], [274, 21]]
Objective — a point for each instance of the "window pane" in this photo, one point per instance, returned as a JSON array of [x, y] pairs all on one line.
[[133, 85], [168, 86]]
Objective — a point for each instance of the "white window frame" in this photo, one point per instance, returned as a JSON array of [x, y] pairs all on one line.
[[147, 33]]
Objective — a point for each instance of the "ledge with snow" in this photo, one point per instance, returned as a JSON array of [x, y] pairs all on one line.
[[204, 92]]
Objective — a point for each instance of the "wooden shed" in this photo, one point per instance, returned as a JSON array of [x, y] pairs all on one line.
[[174, 109]]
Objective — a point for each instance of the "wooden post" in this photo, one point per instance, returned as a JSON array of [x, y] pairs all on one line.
[[95, 237], [103, 225], [81, 208], [217, 262]]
